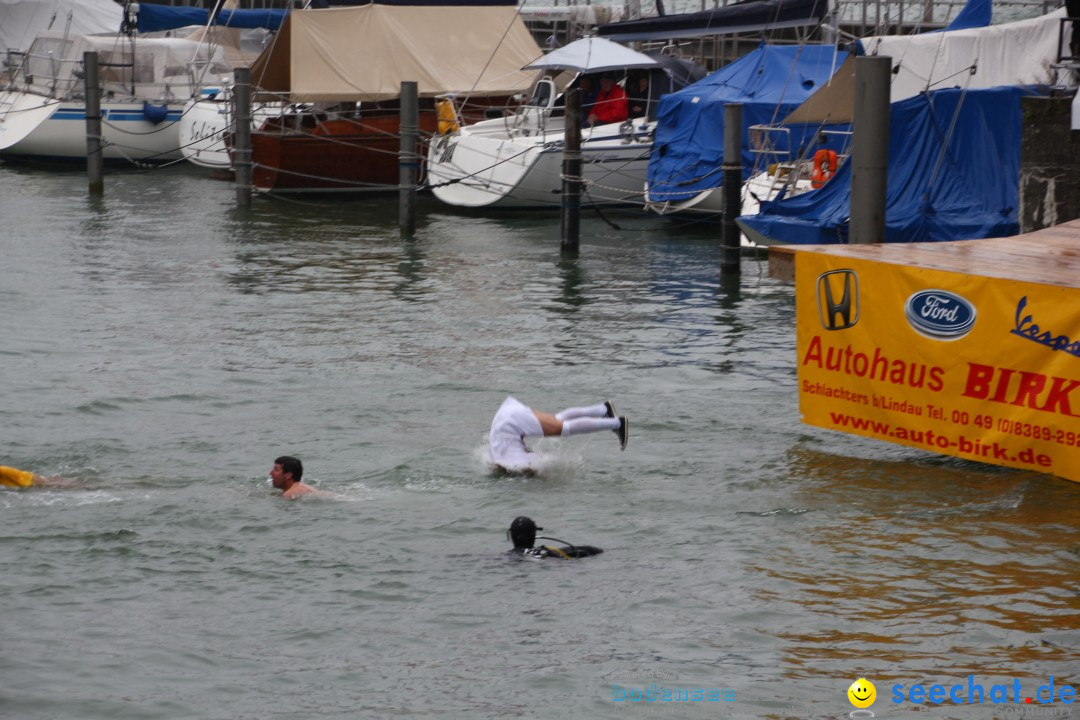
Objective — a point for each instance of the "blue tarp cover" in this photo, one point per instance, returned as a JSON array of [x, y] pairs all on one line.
[[153, 18], [968, 191], [770, 82], [977, 13]]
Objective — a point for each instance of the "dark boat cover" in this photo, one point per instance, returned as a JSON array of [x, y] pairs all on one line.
[[745, 16], [770, 82]]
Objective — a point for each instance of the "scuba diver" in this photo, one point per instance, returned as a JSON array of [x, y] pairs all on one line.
[[522, 533]]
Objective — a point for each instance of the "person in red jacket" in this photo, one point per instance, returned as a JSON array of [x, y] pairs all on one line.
[[610, 105]]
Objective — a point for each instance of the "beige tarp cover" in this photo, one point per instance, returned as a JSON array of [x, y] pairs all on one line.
[[833, 102], [364, 53]]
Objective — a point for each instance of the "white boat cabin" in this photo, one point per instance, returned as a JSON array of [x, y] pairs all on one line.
[[161, 69]]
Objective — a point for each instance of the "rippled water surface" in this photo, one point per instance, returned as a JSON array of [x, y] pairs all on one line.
[[164, 347]]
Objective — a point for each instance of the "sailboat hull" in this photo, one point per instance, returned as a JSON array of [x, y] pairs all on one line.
[[207, 126], [490, 169], [33, 126], [342, 155]]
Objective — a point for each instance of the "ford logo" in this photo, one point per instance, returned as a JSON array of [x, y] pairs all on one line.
[[940, 314]]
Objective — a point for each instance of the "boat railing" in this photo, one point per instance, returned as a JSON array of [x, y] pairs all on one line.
[[789, 165], [1066, 70], [531, 119], [12, 60], [63, 78], [278, 116], [48, 75], [192, 75]]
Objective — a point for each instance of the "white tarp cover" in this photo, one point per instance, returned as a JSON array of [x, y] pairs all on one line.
[[22, 20], [592, 54], [159, 68], [365, 53], [1016, 53]]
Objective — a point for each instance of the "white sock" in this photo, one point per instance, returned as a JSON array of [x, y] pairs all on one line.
[[589, 424], [577, 412]]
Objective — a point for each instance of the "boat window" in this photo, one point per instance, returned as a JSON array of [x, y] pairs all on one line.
[[143, 71], [543, 93]]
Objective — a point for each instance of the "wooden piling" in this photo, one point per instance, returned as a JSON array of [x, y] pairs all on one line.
[[869, 149], [242, 136], [94, 156], [571, 182], [731, 235], [408, 158]]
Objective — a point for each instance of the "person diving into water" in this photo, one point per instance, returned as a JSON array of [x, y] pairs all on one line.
[[515, 421], [522, 533]]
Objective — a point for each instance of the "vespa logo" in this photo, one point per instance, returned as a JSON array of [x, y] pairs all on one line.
[[838, 299], [940, 314]]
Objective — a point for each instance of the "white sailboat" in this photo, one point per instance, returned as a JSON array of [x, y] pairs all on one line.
[[516, 161], [145, 85], [241, 36], [22, 20]]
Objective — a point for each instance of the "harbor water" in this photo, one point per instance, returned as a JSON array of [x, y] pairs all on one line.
[[162, 347]]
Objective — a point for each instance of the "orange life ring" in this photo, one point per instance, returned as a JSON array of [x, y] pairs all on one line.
[[824, 167]]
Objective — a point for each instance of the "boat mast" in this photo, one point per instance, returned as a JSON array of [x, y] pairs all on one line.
[[210, 43], [131, 24], [830, 28]]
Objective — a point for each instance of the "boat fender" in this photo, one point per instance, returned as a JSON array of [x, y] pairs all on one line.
[[824, 167], [444, 110], [155, 113]]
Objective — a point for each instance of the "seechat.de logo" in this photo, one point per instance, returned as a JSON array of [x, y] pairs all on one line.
[[940, 314], [838, 299]]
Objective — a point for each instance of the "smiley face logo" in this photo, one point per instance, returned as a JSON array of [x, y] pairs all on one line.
[[862, 693]]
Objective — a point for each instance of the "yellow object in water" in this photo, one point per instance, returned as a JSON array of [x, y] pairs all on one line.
[[12, 477]]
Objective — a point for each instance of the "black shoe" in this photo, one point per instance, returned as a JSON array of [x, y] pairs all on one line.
[[610, 408], [623, 432]]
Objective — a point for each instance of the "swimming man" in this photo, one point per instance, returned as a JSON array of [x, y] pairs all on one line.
[[286, 476]]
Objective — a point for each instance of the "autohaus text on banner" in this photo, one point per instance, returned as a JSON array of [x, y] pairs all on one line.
[[963, 365]]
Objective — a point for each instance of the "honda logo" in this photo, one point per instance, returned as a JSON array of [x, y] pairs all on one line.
[[838, 299]]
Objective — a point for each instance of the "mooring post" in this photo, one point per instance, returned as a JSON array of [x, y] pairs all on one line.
[[242, 135], [571, 181], [869, 149], [731, 237], [408, 158], [94, 156]]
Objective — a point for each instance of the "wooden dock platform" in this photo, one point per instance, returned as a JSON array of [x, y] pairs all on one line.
[[1047, 257]]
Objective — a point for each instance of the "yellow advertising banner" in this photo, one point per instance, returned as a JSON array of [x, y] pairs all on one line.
[[976, 367]]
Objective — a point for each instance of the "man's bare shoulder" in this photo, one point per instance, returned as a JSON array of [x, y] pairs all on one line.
[[301, 489]]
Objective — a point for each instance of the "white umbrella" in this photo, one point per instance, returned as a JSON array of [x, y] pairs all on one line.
[[592, 54]]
